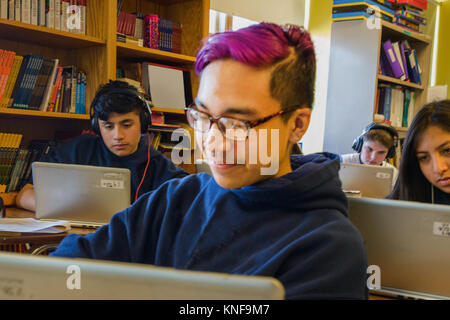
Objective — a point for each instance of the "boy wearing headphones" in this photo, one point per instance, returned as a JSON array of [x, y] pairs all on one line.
[[120, 117], [377, 143]]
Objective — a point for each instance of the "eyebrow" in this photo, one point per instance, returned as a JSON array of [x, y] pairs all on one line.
[[122, 121], [439, 147], [231, 110]]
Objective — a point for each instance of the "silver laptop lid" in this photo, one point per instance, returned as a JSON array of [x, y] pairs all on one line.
[[43, 277], [371, 181], [409, 241], [83, 195]]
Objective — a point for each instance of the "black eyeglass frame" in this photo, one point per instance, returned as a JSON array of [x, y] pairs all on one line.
[[249, 124]]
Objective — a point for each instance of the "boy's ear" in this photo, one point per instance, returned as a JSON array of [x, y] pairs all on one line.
[[300, 123]]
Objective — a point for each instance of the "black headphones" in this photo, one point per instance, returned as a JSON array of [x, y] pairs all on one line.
[[359, 141], [145, 114]]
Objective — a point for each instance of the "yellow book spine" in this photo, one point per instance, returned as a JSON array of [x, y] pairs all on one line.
[[9, 138], [17, 140], [11, 81]]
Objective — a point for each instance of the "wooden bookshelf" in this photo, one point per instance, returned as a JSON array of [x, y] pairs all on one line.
[[130, 51], [396, 81], [98, 53], [395, 31], [168, 110], [42, 114], [354, 78], [18, 31]]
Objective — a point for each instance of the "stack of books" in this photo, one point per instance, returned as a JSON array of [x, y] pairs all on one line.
[[162, 34], [344, 10], [65, 15], [149, 31], [15, 163], [399, 60], [409, 14], [395, 104], [9, 146], [35, 83], [130, 28]]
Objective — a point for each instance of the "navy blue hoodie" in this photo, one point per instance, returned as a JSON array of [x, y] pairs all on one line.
[[88, 149], [293, 228]]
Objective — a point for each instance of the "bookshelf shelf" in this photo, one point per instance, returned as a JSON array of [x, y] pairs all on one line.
[[130, 51], [168, 110], [399, 32], [18, 31], [413, 85], [42, 114]]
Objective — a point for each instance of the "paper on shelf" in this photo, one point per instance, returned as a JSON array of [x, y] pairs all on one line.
[[32, 225]]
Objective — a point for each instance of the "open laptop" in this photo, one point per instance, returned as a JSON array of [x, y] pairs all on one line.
[[43, 277], [370, 181], [84, 195], [410, 242]]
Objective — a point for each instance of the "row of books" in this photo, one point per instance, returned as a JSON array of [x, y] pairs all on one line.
[[35, 83], [15, 164], [416, 4], [131, 24], [399, 60], [149, 30], [395, 104], [65, 15], [9, 144], [344, 10], [402, 13], [409, 15], [10, 140]]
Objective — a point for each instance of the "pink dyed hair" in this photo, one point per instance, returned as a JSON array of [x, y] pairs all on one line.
[[266, 45]]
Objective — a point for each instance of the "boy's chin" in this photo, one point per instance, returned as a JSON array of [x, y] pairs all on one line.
[[232, 182]]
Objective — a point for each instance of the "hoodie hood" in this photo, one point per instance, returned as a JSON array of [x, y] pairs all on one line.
[[315, 177]]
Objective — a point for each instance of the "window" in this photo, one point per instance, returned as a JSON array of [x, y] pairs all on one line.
[[220, 21]]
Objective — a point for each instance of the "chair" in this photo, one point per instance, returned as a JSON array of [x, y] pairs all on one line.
[[44, 249]]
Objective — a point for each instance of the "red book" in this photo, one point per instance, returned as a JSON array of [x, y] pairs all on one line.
[[420, 4], [151, 31], [121, 22], [132, 23]]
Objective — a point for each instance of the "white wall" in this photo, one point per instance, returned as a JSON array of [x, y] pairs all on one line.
[[313, 139], [277, 11]]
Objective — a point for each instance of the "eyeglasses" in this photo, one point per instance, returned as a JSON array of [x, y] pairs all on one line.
[[231, 128]]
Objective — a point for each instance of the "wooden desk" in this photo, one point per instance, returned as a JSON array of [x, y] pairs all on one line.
[[28, 243], [377, 297]]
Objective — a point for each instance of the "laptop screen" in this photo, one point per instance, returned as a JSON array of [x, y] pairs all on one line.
[[409, 242], [370, 181], [81, 194], [43, 277]]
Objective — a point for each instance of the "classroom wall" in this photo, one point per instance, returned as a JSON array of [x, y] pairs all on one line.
[[320, 30], [277, 11], [443, 62]]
